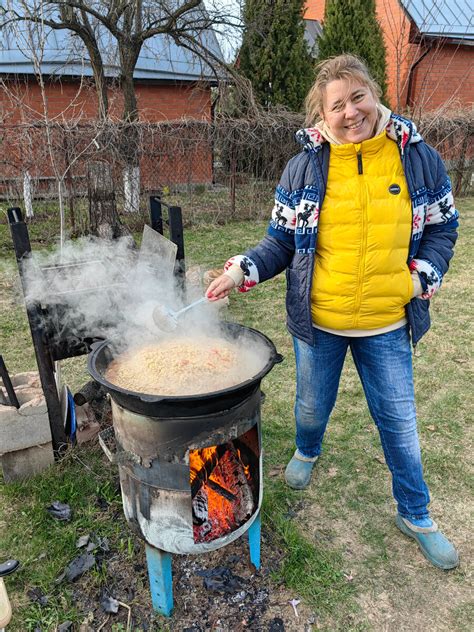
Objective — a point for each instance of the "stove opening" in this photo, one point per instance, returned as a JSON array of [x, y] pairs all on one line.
[[225, 482]]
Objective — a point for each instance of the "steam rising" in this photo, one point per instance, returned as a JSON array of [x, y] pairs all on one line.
[[95, 288], [98, 288]]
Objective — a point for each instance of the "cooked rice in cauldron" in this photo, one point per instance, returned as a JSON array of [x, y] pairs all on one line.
[[185, 366]]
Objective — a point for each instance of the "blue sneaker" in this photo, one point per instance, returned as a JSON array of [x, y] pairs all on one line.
[[298, 471], [433, 544]]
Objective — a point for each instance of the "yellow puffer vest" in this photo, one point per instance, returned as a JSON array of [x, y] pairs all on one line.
[[361, 279]]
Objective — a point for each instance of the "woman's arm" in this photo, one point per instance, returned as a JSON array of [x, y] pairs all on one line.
[[439, 233], [271, 255]]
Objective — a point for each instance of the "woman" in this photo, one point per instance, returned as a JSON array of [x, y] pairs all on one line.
[[364, 224]]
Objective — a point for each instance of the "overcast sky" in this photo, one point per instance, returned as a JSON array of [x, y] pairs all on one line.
[[229, 38]]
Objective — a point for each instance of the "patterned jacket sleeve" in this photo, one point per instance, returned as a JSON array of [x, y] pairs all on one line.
[[275, 251], [439, 233]]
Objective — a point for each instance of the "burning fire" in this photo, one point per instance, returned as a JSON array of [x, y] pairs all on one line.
[[245, 467], [224, 487]]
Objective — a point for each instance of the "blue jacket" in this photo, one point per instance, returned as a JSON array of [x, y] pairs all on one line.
[[291, 240]]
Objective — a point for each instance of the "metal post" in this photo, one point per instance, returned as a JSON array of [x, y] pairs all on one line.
[[156, 215], [254, 536], [161, 580], [22, 246], [7, 383], [177, 237]]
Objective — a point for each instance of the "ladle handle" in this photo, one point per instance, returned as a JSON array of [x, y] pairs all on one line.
[[203, 299]]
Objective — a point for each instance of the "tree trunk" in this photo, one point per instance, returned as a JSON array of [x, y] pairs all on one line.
[[128, 60], [27, 194], [131, 189], [104, 221], [100, 85]]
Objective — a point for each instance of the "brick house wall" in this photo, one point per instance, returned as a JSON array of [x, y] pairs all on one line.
[[21, 103], [156, 102], [400, 53], [443, 76]]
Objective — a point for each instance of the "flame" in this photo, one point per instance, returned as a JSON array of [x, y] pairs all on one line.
[[197, 459], [246, 468], [225, 504]]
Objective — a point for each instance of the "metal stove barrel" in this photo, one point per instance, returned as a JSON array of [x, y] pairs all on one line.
[[152, 442], [153, 439], [155, 476]]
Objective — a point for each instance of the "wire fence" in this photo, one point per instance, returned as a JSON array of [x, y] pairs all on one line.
[[219, 170]]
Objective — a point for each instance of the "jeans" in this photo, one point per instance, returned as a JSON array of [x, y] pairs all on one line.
[[384, 365]]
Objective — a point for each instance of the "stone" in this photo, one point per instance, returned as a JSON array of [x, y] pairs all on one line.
[[87, 433], [24, 427], [31, 401], [3, 397], [28, 378], [22, 464], [25, 434]]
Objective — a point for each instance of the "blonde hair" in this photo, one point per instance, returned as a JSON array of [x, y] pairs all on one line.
[[344, 66]]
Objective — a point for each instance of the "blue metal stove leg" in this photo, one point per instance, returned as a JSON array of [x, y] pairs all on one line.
[[254, 541], [161, 582]]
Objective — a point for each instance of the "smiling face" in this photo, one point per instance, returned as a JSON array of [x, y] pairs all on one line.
[[349, 110]]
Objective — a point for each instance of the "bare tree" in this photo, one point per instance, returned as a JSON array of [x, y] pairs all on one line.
[[127, 24], [122, 28], [32, 41], [113, 34]]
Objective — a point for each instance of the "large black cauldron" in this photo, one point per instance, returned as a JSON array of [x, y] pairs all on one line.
[[190, 405]]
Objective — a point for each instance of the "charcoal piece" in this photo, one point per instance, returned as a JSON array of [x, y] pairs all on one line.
[[221, 579], [200, 511], [79, 566], [221, 490], [129, 593], [98, 544], [202, 475], [261, 597], [231, 470], [240, 596], [102, 503], [103, 544], [276, 625], [36, 595], [60, 511], [200, 532], [109, 605]]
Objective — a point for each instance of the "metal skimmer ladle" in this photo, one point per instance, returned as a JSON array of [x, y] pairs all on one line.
[[166, 319]]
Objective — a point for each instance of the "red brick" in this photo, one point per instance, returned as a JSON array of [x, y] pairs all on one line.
[[444, 72]]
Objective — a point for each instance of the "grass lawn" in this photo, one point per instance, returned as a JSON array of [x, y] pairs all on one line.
[[342, 555]]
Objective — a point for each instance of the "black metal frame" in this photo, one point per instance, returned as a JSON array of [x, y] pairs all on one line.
[[7, 383], [22, 246], [175, 224], [45, 351]]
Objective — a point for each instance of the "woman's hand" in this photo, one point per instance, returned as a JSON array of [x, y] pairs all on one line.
[[220, 287]]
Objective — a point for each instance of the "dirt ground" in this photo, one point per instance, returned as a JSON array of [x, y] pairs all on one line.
[[405, 593], [240, 597]]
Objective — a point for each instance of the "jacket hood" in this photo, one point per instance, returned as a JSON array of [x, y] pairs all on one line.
[[399, 129]]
